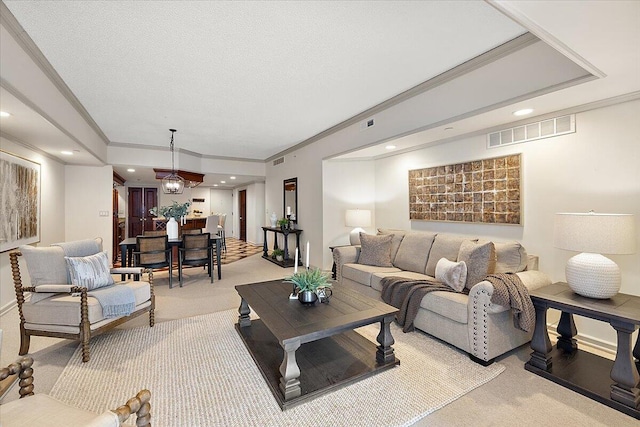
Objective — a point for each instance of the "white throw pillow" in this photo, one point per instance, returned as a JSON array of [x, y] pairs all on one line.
[[91, 271], [452, 274]]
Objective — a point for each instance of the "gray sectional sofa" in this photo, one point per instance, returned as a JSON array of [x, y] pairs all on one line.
[[470, 322]]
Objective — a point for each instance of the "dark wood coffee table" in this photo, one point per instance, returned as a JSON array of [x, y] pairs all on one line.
[[306, 351]]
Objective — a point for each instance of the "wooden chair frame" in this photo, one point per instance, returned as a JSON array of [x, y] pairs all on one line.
[[167, 251], [85, 333], [139, 404]]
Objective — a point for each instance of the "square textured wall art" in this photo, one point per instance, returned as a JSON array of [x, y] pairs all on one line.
[[19, 201], [487, 191]]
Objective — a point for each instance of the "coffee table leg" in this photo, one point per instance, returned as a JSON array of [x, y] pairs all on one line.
[[385, 351], [244, 310], [289, 382]]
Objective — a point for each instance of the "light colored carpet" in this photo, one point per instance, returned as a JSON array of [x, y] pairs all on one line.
[[200, 374]]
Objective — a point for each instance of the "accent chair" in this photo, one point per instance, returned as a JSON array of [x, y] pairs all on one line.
[[43, 410], [70, 285]]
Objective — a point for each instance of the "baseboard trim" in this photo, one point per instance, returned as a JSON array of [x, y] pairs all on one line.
[[8, 307]]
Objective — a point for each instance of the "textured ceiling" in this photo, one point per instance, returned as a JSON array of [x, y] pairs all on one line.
[[249, 79]]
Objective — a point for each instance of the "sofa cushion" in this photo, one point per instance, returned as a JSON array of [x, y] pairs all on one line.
[[64, 309], [398, 235], [444, 246], [91, 271], [46, 265], [375, 250], [480, 259], [414, 252], [452, 305], [376, 278], [362, 273], [44, 411], [452, 274], [511, 257]]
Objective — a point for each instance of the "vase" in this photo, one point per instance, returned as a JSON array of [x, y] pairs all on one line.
[[279, 258], [172, 228], [307, 297], [273, 219]]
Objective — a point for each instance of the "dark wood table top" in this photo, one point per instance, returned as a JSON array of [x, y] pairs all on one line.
[[559, 295], [289, 319]]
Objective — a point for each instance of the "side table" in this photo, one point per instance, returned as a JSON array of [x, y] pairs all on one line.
[[613, 383]]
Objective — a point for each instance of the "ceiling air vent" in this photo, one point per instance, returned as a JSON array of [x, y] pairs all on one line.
[[532, 131], [278, 161]]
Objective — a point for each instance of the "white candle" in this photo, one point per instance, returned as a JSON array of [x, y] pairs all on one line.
[[288, 210], [295, 266], [307, 265]]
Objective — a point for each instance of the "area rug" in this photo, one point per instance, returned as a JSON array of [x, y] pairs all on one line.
[[200, 374]]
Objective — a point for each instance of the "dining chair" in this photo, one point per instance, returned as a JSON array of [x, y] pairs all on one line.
[[222, 232], [196, 250], [154, 233], [154, 252]]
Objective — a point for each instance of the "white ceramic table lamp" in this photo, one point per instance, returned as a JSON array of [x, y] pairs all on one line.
[[590, 274], [357, 218]]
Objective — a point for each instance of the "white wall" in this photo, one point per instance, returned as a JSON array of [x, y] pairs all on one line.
[[346, 185], [221, 201], [52, 217], [598, 168], [88, 191]]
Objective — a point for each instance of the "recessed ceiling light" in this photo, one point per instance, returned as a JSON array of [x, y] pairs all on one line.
[[131, 170], [67, 153], [4, 114], [390, 147], [223, 182], [523, 112], [232, 177], [215, 185]]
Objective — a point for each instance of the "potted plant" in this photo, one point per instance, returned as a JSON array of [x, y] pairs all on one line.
[[278, 254], [309, 283], [283, 223]]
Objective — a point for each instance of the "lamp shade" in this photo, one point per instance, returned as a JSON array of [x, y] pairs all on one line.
[[595, 233], [358, 218]]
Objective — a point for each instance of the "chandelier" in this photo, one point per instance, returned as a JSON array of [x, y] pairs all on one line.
[[172, 183]]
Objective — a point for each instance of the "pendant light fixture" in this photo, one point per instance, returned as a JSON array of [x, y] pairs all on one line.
[[172, 183]]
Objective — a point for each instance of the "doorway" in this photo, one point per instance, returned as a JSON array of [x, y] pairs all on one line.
[[140, 201], [242, 209]]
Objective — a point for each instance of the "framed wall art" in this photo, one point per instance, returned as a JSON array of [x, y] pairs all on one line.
[[19, 201], [480, 191]]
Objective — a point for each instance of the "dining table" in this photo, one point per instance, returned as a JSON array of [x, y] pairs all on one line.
[[128, 245]]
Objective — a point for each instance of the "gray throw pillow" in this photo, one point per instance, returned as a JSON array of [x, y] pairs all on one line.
[[511, 257], [46, 265], [480, 259], [91, 271], [444, 246], [398, 235], [375, 250]]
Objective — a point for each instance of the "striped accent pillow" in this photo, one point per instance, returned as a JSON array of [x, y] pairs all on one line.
[[91, 271]]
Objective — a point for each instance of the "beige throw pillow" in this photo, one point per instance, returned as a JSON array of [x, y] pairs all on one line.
[[375, 250], [480, 259], [452, 274]]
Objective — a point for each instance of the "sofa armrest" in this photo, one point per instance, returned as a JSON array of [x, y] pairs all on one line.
[[484, 290], [52, 289], [344, 255], [127, 270]]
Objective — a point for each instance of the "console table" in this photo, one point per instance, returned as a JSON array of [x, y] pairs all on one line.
[[613, 383], [286, 262]]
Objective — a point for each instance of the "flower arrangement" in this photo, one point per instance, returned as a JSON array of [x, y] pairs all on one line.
[[175, 211]]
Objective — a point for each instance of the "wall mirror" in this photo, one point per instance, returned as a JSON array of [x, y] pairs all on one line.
[[290, 205]]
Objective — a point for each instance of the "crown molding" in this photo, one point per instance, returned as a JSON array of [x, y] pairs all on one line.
[[28, 45]]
